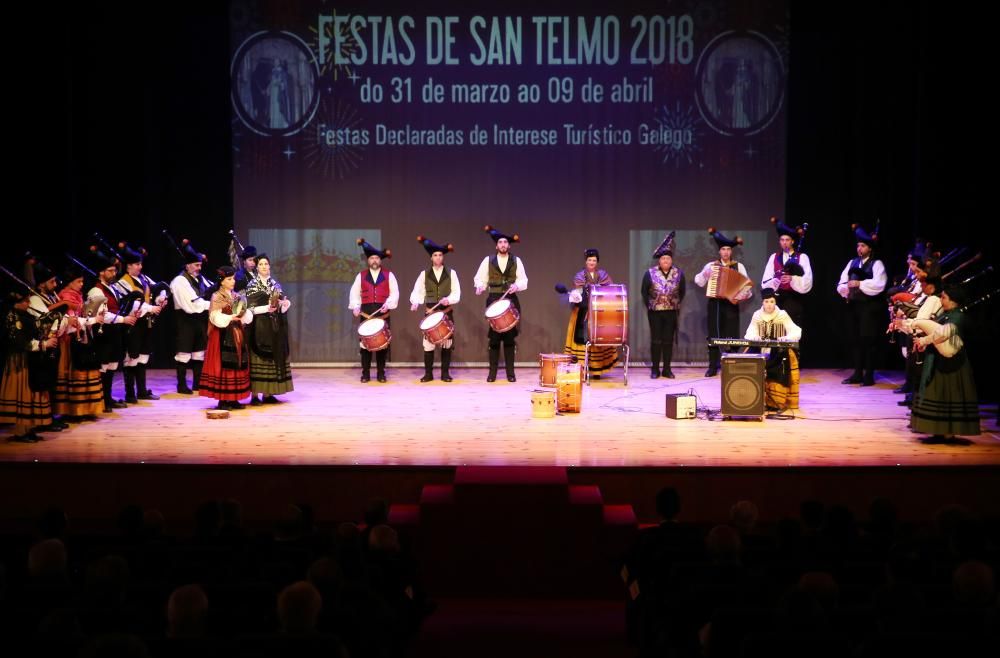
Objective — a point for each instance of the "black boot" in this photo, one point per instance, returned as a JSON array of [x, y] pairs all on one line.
[[380, 358], [428, 367], [366, 366], [445, 364], [655, 351], [182, 386], [494, 362], [140, 382], [196, 367], [106, 378], [130, 397], [508, 361]]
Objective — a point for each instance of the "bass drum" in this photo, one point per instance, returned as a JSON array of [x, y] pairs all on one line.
[[607, 315]]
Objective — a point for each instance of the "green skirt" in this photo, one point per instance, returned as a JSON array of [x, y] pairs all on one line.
[[947, 404], [268, 376]]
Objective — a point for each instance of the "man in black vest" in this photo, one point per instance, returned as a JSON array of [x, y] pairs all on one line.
[[723, 315], [248, 265], [110, 342], [788, 272], [501, 274], [861, 284], [436, 286], [190, 317], [139, 339]]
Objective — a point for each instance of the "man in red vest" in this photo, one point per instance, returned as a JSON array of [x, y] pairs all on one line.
[[373, 294]]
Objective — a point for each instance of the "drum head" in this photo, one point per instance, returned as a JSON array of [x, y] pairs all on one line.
[[498, 308], [431, 320], [371, 327]]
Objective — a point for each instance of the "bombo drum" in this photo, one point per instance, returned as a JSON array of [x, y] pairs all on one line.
[[374, 334], [547, 364], [607, 316], [543, 404], [502, 315], [569, 387]]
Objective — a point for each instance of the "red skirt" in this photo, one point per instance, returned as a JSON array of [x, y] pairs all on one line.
[[223, 383]]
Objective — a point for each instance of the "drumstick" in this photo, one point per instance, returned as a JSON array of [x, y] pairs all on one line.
[[371, 317], [431, 309]]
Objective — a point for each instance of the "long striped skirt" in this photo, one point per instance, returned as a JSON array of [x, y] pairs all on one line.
[[78, 392], [779, 395], [947, 404], [220, 383], [268, 376], [602, 357], [20, 405]]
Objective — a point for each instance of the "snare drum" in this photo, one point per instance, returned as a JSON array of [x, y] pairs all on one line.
[[569, 387], [437, 328], [543, 404], [502, 315], [374, 334], [547, 368], [607, 316]]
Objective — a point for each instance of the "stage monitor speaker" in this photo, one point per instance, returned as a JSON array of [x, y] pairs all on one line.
[[680, 405], [743, 384]]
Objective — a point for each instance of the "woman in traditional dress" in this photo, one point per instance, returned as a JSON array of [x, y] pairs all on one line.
[[781, 386], [267, 336], [602, 357], [226, 375], [946, 403], [78, 393]]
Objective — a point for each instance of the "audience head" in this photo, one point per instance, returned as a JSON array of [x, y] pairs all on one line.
[[299, 605]]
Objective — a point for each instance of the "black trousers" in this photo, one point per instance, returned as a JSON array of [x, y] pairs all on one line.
[[662, 329], [723, 322]]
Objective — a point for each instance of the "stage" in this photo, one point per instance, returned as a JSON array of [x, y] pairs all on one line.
[[333, 419]]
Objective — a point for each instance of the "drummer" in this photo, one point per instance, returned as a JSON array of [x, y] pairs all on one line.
[[373, 294], [501, 274], [602, 357], [437, 287]]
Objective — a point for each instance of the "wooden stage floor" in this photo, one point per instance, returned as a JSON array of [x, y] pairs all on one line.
[[333, 419]]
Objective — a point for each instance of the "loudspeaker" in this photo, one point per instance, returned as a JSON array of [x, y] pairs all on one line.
[[680, 405], [743, 384]]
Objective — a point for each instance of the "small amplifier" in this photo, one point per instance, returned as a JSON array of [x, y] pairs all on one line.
[[680, 405]]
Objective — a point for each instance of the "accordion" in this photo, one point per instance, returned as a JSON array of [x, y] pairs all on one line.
[[726, 283]]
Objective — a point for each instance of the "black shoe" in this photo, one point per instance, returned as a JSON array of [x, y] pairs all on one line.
[[427, 377], [382, 378], [511, 378], [868, 382], [236, 405], [668, 374], [492, 377], [270, 399], [223, 405], [118, 404], [905, 388], [446, 378], [654, 374], [366, 378], [184, 390], [255, 401], [60, 423], [711, 372], [52, 427], [148, 395], [130, 399], [28, 437], [906, 402], [853, 379]]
